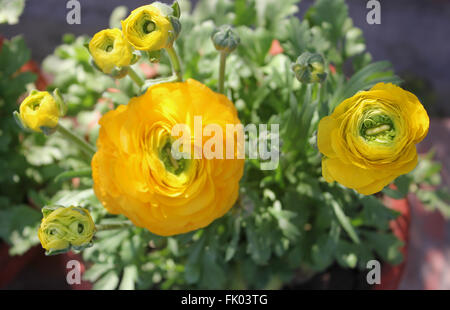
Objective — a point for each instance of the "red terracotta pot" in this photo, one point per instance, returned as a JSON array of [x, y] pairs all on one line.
[[10, 266], [391, 276]]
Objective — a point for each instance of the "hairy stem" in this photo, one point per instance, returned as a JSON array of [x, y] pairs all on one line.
[[80, 142], [125, 224], [135, 77], [176, 64], [222, 67]]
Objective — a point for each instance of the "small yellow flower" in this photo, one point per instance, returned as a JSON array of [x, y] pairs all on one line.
[[135, 175], [63, 228], [148, 29], [110, 50], [38, 110], [369, 140]]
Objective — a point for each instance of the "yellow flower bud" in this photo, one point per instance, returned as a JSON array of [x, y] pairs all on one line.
[[65, 228], [148, 28], [39, 111], [110, 50], [369, 140]]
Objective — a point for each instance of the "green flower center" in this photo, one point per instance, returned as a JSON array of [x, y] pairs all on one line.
[[377, 127], [108, 44], [148, 27], [35, 105], [171, 164]]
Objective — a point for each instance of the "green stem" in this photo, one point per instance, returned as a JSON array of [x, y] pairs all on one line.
[[135, 77], [223, 62], [175, 61], [102, 227], [82, 144], [150, 83], [67, 175]]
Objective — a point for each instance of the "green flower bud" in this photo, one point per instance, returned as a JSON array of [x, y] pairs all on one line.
[[225, 39], [63, 229], [310, 68]]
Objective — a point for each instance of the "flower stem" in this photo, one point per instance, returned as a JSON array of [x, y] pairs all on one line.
[[176, 64], [82, 144], [124, 224], [135, 77], [223, 62]]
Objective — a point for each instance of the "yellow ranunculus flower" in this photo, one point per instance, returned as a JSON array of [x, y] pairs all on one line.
[[65, 227], [110, 50], [135, 174], [148, 29], [38, 110], [369, 139]]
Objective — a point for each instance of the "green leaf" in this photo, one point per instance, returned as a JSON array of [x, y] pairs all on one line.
[[284, 221], [67, 175], [376, 214], [18, 227], [331, 12], [346, 254], [322, 252], [258, 243], [273, 13], [386, 245], [436, 199], [14, 55], [129, 278], [96, 271], [213, 275], [345, 222], [233, 245], [82, 198], [193, 266], [245, 12], [108, 282], [363, 80]]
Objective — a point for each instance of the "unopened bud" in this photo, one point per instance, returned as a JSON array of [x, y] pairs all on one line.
[[310, 68], [225, 39]]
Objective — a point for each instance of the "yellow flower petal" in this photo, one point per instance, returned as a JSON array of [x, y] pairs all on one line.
[[324, 141], [135, 175]]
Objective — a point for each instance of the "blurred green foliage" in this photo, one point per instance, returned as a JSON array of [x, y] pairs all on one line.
[[10, 11]]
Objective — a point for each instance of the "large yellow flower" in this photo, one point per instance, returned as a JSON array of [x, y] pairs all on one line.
[[110, 50], [65, 227], [39, 110], [136, 175], [369, 139], [148, 29]]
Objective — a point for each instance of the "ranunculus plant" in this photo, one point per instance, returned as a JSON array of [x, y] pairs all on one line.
[[284, 176]]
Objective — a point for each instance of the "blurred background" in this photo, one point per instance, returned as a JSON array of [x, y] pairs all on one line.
[[414, 35]]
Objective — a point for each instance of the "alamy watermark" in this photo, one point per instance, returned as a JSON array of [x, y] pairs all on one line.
[[374, 15], [237, 142], [374, 275], [74, 12], [74, 272]]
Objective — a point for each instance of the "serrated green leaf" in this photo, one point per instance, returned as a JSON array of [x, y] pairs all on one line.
[[107, 282], [129, 278]]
